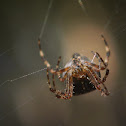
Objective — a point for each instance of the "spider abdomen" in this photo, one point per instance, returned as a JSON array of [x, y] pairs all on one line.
[[82, 86]]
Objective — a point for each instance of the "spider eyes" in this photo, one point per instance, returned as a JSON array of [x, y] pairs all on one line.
[[76, 55]]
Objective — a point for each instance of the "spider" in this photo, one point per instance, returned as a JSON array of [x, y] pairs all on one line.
[[80, 74]]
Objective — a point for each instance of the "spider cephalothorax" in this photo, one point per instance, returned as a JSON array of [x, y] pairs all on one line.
[[80, 74]]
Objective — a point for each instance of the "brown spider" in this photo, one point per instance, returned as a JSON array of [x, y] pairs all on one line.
[[80, 74]]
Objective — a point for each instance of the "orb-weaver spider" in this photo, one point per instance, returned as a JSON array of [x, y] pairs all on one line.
[[80, 74]]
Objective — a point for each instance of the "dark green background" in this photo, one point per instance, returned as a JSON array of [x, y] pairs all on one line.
[[27, 101]]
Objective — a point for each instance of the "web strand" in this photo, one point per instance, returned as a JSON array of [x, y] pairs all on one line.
[[24, 76], [45, 20], [83, 7], [29, 74], [6, 51]]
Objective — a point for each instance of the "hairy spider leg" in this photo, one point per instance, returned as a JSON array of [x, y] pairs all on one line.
[[69, 83], [99, 81], [107, 50], [97, 55], [106, 75], [50, 87], [105, 63], [62, 79], [47, 63], [95, 83], [66, 78], [96, 79], [43, 58], [59, 77], [107, 58], [100, 59], [68, 87], [58, 93], [57, 66], [53, 79], [94, 66], [58, 72]]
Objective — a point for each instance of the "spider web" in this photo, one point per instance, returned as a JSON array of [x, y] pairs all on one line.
[[118, 31], [29, 74]]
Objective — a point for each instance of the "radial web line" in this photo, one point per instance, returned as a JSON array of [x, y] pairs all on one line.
[[6, 51], [83, 7], [26, 75], [45, 20], [15, 79]]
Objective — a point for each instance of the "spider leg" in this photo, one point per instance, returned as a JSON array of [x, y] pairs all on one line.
[[98, 57], [47, 63], [59, 94], [106, 75], [101, 60], [44, 59], [57, 66], [99, 81], [69, 92], [107, 50], [53, 79], [94, 66], [105, 63], [50, 87], [96, 80], [59, 73], [69, 88], [107, 53], [93, 56], [64, 77], [96, 84]]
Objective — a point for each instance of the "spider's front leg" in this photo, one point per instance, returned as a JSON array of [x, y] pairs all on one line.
[[44, 59], [97, 55]]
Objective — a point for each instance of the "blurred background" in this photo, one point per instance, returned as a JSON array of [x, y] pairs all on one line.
[[25, 99]]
